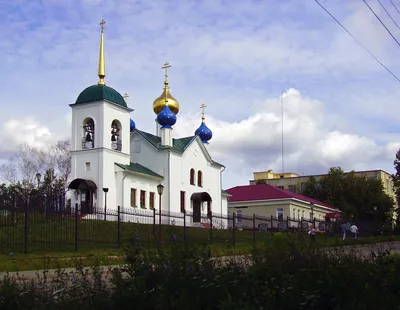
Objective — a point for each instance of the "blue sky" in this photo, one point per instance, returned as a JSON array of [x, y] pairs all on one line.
[[237, 57]]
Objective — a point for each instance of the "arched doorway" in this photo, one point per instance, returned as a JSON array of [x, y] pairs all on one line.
[[197, 201], [86, 190]]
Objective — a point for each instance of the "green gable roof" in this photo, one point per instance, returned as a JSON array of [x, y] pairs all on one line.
[[179, 145], [135, 167], [101, 92]]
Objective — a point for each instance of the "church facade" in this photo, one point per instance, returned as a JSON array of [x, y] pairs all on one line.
[[116, 164]]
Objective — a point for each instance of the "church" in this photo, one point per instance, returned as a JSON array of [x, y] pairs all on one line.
[[116, 164]]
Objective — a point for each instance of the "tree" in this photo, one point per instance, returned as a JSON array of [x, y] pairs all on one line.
[[396, 183], [358, 197], [27, 161]]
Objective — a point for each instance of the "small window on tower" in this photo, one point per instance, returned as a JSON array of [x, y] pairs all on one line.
[[116, 143], [87, 166], [88, 134]]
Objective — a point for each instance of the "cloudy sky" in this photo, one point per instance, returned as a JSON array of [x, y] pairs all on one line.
[[237, 57]]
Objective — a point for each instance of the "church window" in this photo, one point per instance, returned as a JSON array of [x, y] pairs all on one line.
[[116, 143], [152, 200], [87, 166], [143, 199], [192, 176], [199, 178], [182, 201], [133, 197], [88, 134]]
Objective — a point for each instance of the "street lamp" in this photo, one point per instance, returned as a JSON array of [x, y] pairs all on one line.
[[38, 176], [160, 189], [105, 190]]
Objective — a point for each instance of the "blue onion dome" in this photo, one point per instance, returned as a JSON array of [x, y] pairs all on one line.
[[204, 133], [132, 125], [166, 118]]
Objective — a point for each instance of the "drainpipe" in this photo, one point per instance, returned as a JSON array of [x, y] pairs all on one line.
[[220, 180]]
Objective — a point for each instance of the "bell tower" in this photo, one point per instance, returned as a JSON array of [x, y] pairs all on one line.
[[100, 138]]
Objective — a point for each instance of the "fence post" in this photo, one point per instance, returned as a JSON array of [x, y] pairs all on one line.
[[272, 222], [287, 224], [154, 222], [76, 227], [184, 227], [119, 228], [234, 228], [254, 229], [26, 228], [211, 227]]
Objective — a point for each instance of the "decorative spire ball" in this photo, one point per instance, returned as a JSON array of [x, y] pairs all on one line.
[[166, 97], [166, 118], [203, 131], [132, 125]]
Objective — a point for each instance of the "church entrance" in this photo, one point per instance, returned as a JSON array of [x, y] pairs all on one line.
[[197, 202], [86, 190]]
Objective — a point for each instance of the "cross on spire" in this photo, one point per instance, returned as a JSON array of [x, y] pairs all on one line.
[[102, 25], [166, 66], [202, 111]]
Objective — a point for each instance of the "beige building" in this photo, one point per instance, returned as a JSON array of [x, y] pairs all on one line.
[[266, 202], [296, 183]]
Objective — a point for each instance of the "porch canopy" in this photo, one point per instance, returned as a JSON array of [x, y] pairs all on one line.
[[83, 184]]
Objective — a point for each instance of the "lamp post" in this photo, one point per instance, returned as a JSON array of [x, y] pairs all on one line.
[[38, 176], [105, 190], [160, 189], [312, 211]]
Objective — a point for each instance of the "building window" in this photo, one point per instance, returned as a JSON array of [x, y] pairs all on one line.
[[281, 187], [182, 201], [87, 166], [192, 176], [88, 134], [279, 214], [133, 197], [294, 213], [143, 199], [292, 188], [298, 214], [151, 200], [239, 216], [199, 178]]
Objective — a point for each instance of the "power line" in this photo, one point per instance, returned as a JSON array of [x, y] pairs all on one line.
[[383, 7], [359, 43], [387, 29], [394, 6]]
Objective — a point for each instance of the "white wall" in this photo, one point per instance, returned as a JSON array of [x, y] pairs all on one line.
[[181, 164]]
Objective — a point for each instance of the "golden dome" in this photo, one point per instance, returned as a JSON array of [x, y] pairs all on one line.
[[160, 103]]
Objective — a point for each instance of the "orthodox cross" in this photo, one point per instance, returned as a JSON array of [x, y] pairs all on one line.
[[102, 25], [202, 111], [166, 66]]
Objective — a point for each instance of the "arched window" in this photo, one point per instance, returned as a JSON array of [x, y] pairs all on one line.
[[116, 143], [199, 178], [192, 176], [88, 134]]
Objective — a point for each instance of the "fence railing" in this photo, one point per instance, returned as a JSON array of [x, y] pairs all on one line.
[[34, 230]]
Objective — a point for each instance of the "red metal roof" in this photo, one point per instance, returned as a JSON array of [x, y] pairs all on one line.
[[267, 192]]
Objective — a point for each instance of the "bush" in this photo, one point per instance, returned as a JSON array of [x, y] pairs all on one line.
[[287, 274]]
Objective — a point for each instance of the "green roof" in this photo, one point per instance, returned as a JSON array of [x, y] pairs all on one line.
[[135, 167], [101, 92], [179, 145]]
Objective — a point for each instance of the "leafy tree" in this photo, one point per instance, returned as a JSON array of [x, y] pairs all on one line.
[[396, 183], [358, 197], [261, 181]]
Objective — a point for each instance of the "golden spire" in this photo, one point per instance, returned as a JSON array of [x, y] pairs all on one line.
[[166, 97], [102, 70], [202, 112]]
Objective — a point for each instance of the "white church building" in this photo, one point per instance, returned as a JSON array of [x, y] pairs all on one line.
[[116, 164]]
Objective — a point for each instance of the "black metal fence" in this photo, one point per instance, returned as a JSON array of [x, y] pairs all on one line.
[[32, 230]]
